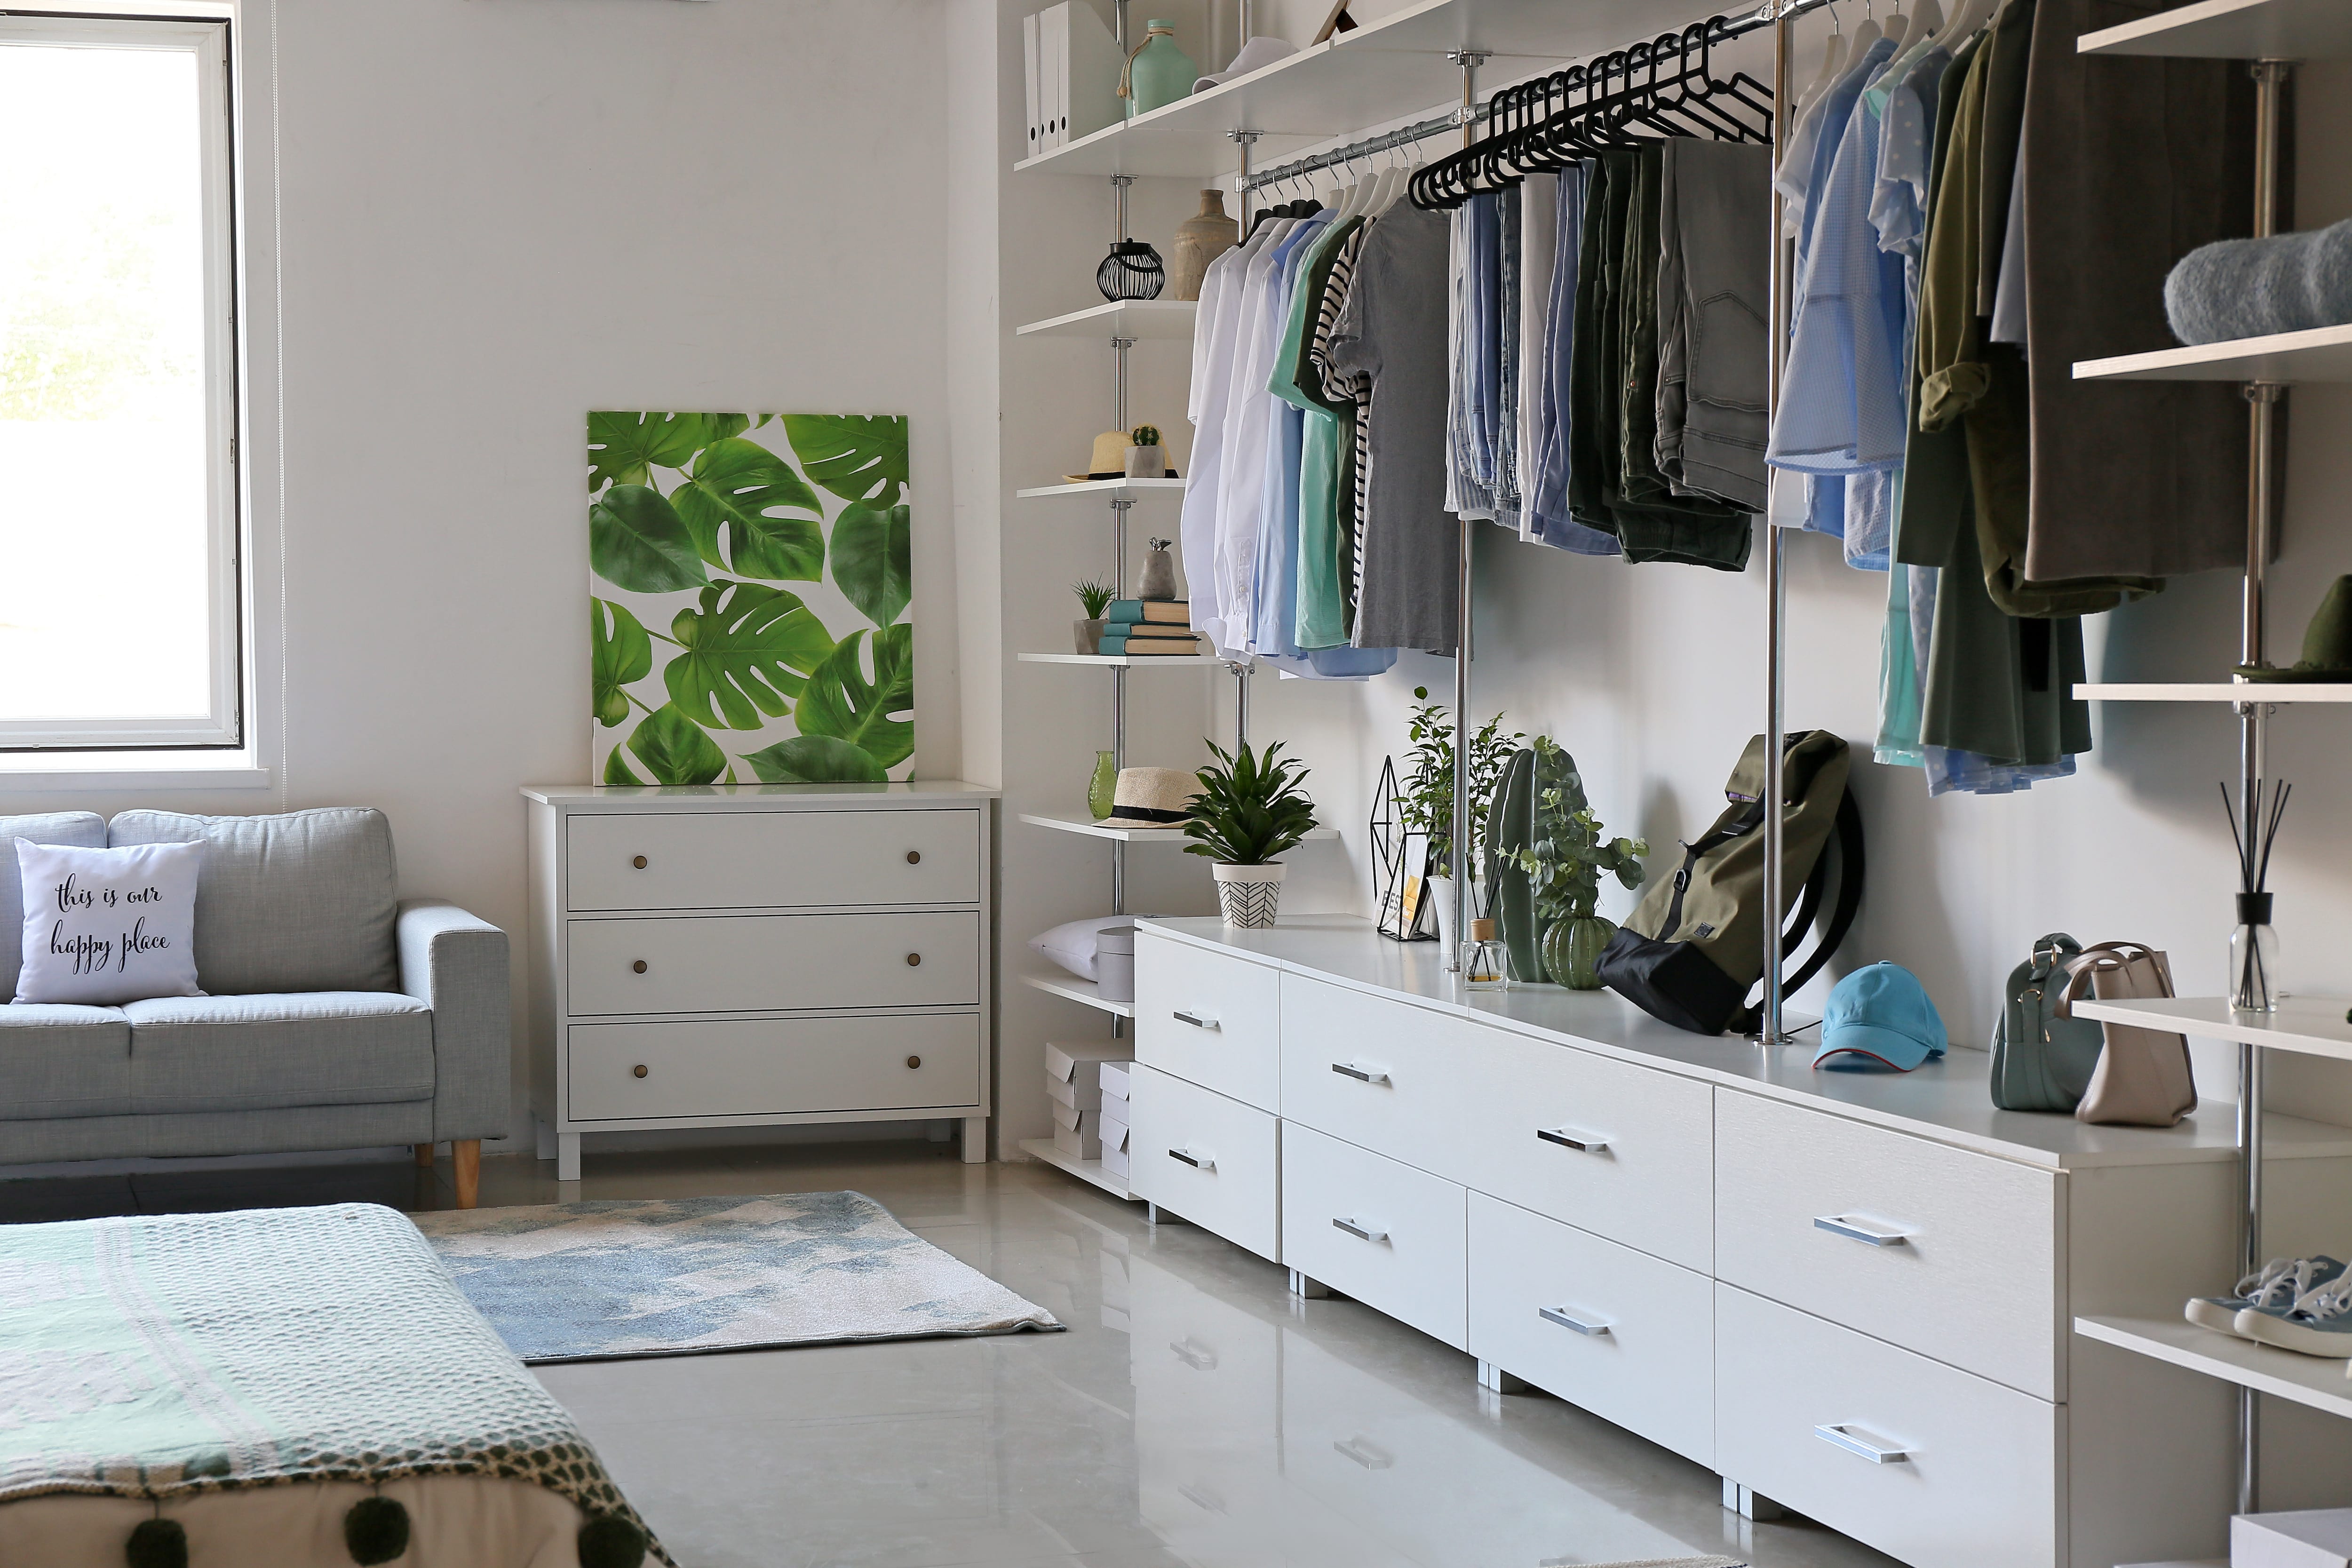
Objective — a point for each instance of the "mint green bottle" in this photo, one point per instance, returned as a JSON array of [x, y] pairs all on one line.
[[1159, 73]]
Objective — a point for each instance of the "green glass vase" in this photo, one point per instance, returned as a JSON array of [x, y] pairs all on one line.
[[1571, 951], [1100, 788], [1160, 73]]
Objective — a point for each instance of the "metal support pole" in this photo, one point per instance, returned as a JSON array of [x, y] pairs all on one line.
[[1463, 866], [1242, 141], [1769, 1031], [2269, 92]]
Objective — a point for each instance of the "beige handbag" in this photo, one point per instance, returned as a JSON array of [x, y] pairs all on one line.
[[2143, 1078]]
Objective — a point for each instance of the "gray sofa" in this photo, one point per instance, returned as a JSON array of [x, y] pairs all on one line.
[[337, 1016]]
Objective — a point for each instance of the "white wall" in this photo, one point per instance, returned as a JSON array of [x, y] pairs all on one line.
[[500, 216]]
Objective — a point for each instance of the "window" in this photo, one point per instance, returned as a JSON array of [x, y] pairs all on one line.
[[120, 624]]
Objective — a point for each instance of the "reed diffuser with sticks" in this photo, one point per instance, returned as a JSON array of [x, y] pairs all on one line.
[[2253, 945]]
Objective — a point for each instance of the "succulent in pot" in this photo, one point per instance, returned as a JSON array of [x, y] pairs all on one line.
[[1251, 809], [1146, 458], [1093, 598]]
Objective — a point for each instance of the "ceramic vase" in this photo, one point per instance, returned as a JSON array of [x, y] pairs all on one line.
[[1160, 73], [1103, 786], [1088, 635], [1156, 578], [1248, 895], [1146, 462], [1571, 951], [1200, 239]]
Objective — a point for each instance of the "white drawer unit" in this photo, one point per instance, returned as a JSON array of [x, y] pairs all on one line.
[[1206, 1017], [744, 963], [763, 860], [1927, 1463], [1208, 1159], [1383, 1233], [1954, 1255], [1617, 1332], [758, 954]]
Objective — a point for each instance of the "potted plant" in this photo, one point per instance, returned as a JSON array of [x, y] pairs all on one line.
[[1425, 798], [1146, 459], [1565, 858], [1249, 809], [1095, 598]]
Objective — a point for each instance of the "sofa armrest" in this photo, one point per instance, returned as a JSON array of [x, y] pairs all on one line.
[[457, 965]]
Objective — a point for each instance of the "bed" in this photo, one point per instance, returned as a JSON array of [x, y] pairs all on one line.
[[299, 1387]]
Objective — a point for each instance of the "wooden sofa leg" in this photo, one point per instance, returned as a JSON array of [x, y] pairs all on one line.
[[424, 1156], [466, 1159]]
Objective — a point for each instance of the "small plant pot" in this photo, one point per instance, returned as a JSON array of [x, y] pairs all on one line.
[[1146, 462], [1571, 951], [1248, 895], [1089, 635]]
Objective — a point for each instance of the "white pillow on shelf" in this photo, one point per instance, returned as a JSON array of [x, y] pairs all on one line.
[[1072, 944], [103, 927]]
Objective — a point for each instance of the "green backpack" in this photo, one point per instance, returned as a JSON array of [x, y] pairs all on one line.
[[1694, 948], [2042, 1060]]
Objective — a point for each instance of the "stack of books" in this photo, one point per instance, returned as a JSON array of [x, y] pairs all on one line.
[[1074, 1082], [1153, 627]]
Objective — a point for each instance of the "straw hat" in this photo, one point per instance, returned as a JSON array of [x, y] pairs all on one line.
[[1153, 797], [1109, 459]]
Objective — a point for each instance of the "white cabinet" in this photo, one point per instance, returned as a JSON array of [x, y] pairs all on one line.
[[1206, 1017], [1210, 1160], [1371, 1227], [739, 956]]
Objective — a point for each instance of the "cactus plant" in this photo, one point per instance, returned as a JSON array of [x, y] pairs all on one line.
[[1144, 436]]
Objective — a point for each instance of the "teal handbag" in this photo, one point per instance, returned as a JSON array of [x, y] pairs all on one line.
[[2043, 1059]]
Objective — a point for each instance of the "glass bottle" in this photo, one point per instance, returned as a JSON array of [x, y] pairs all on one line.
[[1485, 967], [2253, 957], [1100, 788]]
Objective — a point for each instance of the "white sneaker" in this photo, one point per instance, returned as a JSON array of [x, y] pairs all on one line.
[[2320, 1323]]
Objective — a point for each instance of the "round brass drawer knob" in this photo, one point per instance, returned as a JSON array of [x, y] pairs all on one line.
[[914, 1061], [914, 856], [913, 959], [639, 966], [639, 862], [638, 1070]]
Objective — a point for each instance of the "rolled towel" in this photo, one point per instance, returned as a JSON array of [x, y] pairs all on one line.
[[2253, 288]]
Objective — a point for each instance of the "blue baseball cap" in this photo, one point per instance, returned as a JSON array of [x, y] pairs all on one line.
[[1881, 1012]]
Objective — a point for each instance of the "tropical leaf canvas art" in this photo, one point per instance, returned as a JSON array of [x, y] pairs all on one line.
[[750, 589]]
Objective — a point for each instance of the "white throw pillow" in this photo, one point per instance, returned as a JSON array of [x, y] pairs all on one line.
[[107, 926], [1073, 945]]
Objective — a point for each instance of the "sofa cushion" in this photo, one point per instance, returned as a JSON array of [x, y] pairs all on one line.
[[64, 1061], [302, 901], [78, 829], [259, 1053]]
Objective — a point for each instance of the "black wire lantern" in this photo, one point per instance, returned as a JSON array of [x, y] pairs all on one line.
[[1132, 271]]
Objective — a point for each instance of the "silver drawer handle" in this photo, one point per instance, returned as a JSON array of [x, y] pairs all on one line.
[[1198, 1161], [1854, 1229], [1361, 1075], [1370, 1455], [1570, 1138], [1359, 1230], [1198, 1360], [1559, 1315], [1195, 1020], [1853, 1440]]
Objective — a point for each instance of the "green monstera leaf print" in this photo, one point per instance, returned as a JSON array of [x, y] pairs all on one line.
[[637, 542], [624, 448], [815, 758], [873, 560], [854, 457], [618, 770], [744, 653], [876, 715], [623, 654], [736, 488], [674, 749]]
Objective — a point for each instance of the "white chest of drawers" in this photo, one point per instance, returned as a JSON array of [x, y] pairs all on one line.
[[758, 955], [1847, 1293]]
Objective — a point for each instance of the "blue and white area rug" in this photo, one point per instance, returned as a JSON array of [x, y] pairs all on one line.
[[600, 1281]]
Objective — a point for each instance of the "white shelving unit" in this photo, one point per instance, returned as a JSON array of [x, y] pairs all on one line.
[[1135, 318], [2307, 1380], [2234, 30], [1090, 1172], [1076, 990], [2285, 358], [2314, 1026], [1082, 823], [1124, 661], [1107, 489], [2261, 691]]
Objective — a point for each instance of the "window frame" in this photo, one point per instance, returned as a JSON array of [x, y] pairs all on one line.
[[228, 649]]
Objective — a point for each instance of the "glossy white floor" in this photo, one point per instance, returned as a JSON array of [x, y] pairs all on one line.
[[1194, 1413]]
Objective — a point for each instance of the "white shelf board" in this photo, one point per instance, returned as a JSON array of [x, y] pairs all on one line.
[[1078, 990], [2322, 355], [2234, 30], [1107, 490], [1394, 67], [1090, 1172], [1121, 661], [1084, 822], [2312, 1025], [1121, 318], [2264, 692], [2307, 1380]]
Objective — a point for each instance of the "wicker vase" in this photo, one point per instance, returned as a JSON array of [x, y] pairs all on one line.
[[1200, 239]]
